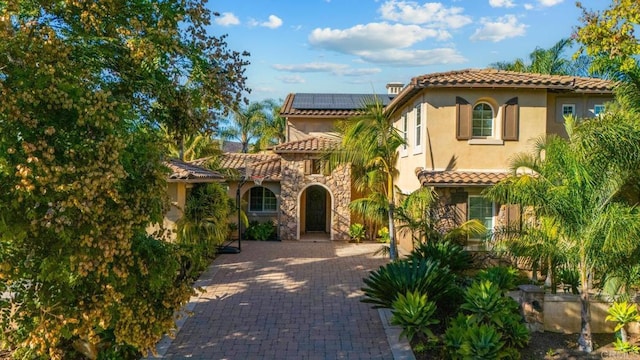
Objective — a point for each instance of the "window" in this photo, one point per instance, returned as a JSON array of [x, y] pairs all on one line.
[[418, 126], [482, 210], [405, 131], [598, 110], [568, 110], [262, 199], [482, 120]]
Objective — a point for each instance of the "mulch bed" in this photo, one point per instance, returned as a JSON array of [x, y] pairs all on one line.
[[556, 346]]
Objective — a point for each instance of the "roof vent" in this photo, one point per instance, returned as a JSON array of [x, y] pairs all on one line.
[[394, 88]]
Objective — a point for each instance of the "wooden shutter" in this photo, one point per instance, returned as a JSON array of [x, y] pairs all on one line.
[[308, 166], [510, 120], [463, 119], [513, 217]]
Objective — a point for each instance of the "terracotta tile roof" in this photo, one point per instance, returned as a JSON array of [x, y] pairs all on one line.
[[327, 105], [492, 78], [311, 144], [265, 165], [189, 172], [459, 178]]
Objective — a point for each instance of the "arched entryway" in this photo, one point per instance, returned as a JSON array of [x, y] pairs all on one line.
[[315, 206]]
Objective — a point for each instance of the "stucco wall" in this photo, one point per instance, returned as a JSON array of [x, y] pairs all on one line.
[[562, 314]]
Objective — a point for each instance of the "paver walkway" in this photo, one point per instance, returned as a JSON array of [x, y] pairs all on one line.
[[285, 300]]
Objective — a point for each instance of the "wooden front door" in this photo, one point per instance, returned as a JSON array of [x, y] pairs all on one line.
[[316, 209]]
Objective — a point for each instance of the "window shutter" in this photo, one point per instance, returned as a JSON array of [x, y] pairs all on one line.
[[308, 166], [513, 217], [511, 120], [463, 121]]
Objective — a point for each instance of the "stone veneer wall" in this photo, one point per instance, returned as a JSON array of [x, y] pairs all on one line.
[[294, 181]]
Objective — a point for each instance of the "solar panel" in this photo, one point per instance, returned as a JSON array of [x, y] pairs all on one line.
[[336, 101]]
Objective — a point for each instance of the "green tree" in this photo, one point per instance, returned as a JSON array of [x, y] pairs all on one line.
[[273, 129], [84, 87], [245, 124], [194, 146], [579, 183], [370, 142], [550, 61]]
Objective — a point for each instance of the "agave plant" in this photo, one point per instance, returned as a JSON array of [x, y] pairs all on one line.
[[483, 343], [414, 313], [425, 276], [504, 277]]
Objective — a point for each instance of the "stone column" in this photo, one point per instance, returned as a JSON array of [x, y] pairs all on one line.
[[532, 307]]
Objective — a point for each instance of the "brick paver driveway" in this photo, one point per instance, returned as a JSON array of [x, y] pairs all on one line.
[[285, 300]]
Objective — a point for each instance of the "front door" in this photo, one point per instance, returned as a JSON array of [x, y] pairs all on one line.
[[316, 209]]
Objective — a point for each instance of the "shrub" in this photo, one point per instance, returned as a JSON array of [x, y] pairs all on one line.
[[504, 277], [383, 235], [261, 231], [425, 276], [357, 232], [623, 313], [446, 252], [414, 313]]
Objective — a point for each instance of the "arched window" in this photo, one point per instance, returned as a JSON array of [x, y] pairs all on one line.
[[482, 120], [262, 199]]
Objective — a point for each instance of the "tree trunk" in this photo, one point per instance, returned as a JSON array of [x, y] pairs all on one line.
[[585, 342], [392, 234]]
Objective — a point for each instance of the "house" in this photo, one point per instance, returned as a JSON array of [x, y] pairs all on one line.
[[461, 127]]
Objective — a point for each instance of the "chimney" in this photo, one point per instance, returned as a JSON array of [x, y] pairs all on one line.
[[394, 88]]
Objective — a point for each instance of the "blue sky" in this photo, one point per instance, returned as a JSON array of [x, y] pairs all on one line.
[[358, 46]]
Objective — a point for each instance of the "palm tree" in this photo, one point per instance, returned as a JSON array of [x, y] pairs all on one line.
[[191, 147], [245, 124], [547, 61], [273, 129], [369, 143], [579, 183]]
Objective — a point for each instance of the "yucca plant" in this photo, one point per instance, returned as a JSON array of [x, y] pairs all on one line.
[[504, 277], [447, 252], [414, 313], [623, 313], [383, 286]]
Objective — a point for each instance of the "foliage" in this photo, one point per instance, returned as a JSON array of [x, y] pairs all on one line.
[[273, 129], [204, 224], [468, 340], [424, 276], [625, 347], [504, 277], [571, 278], [610, 34], [383, 235], [357, 232], [446, 252], [85, 86], [261, 230], [245, 124], [428, 219], [369, 143], [581, 183], [623, 313], [548, 61], [414, 313]]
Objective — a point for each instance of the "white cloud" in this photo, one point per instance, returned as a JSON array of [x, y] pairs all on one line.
[[274, 22], [372, 36], [548, 3], [528, 6], [292, 79], [227, 19], [501, 3], [503, 28], [395, 57], [431, 14], [332, 68]]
